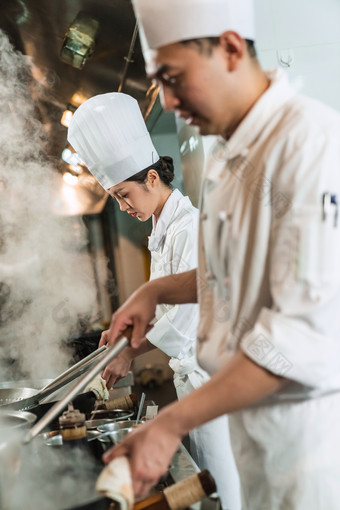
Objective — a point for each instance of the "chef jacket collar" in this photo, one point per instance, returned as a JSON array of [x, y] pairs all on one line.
[[159, 229], [277, 94]]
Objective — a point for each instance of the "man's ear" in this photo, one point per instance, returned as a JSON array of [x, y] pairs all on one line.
[[234, 48]]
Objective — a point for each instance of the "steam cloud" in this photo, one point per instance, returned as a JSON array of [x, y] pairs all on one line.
[[51, 478], [46, 284]]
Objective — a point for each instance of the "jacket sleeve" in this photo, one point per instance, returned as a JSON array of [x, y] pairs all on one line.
[[299, 335], [175, 330]]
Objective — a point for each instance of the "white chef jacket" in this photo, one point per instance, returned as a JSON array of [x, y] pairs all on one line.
[[173, 247], [269, 283]]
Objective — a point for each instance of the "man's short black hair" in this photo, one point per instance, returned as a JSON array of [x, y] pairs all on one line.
[[206, 44]]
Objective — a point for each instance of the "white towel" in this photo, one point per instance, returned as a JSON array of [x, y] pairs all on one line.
[[114, 482], [98, 387]]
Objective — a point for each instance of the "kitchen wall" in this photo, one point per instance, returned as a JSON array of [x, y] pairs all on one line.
[[303, 38]]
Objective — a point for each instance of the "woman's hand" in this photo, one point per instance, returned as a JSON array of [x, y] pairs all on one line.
[[118, 368], [104, 339]]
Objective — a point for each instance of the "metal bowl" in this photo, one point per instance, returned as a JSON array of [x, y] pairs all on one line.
[[15, 420], [117, 431], [36, 384], [110, 417], [112, 427], [54, 440], [10, 395], [117, 435]]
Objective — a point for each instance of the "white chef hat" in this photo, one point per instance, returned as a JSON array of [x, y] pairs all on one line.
[[109, 134], [169, 21]]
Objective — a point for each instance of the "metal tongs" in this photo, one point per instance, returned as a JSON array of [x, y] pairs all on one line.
[[71, 373], [111, 352]]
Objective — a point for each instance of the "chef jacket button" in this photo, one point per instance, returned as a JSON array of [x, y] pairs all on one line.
[[209, 276], [203, 216], [222, 215], [245, 152], [201, 338], [226, 281]]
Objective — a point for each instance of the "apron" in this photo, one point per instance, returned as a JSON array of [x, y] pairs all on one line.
[[209, 444], [285, 462], [173, 247]]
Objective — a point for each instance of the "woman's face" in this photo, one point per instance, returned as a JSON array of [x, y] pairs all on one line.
[[140, 200]]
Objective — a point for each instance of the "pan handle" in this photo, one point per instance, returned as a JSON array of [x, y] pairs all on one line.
[[112, 352]]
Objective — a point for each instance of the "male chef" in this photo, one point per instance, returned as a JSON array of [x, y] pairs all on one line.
[[268, 281]]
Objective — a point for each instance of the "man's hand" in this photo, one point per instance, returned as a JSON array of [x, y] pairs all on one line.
[[238, 384], [137, 312], [149, 448]]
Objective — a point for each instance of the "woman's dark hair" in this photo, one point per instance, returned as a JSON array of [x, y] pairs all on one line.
[[164, 167]]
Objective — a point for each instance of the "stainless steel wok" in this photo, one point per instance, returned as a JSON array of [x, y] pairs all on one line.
[[14, 420], [25, 398], [35, 384]]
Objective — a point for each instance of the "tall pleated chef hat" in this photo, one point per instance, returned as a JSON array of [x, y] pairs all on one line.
[[109, 134], [169, 21]]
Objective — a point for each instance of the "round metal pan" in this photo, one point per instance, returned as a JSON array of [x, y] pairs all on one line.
[[110, 417], [10, 395], [36, 384], [16, 419], [111, 427], [87, 364]]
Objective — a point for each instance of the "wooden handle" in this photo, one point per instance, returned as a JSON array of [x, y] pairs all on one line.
[[181, 495], [124, 403]]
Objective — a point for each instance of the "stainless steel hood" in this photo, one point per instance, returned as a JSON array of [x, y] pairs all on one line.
[[38, 29]]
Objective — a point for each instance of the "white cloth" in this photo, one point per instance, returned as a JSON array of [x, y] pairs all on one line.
[[210, 444], [287, 462], [115, 483], [269, 271], [109, 134], [173, 246], [99, 388], [178, 20]]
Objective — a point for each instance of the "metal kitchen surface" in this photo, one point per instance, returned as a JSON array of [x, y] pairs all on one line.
[[38, 29]]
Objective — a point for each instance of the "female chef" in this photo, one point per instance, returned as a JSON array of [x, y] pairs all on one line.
[[109, 134]]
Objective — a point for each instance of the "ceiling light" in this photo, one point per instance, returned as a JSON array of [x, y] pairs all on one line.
[[67, 115], [70, 179], [70, 157], [78, 98]]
